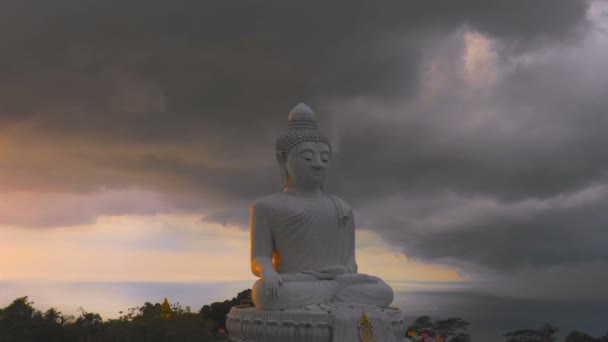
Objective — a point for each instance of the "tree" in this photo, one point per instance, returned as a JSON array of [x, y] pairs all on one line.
[[454, 328], [216, 312], [577, 336], [19, 309], [17, 321], [54, 316], [148, 311], [88, 325], [548, 333], [461, 337], [421, 325], [523, 335], [545, 334], [49, 326], [20, 322]]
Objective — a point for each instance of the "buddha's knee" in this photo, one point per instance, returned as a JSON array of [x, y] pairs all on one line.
[[379, 294], [260, 298], [385, 293]]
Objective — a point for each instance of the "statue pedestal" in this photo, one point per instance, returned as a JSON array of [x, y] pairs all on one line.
[[337, 324]]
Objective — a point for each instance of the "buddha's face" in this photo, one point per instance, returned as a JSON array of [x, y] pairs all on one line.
[[307, 164]]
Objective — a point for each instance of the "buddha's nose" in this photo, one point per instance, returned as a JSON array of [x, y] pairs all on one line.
[[317, 164]]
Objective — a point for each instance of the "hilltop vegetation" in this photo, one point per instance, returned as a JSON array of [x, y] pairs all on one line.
[[21, 322]]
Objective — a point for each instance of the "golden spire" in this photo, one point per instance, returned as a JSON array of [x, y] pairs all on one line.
[[165, 310], [364, 320]]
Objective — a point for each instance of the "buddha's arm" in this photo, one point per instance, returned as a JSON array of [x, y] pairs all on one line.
[[261, 251], [261, 241], [351, 266]]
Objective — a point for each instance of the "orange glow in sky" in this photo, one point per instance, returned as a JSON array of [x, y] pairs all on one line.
[[168, 248]]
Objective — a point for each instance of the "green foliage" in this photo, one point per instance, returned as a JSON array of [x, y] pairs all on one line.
[[578, 336], [461, 337], [216, 312], [523, 335], [451, 329], [545, 334], [144, 324], [422, 324], [20, 322], [87, 324]]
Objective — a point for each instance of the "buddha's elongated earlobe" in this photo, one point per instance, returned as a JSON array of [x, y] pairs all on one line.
[[282, 160]]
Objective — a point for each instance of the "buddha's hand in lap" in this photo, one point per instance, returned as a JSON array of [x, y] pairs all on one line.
[[328, 273], [272, 281], [356, 278], [335, 270]]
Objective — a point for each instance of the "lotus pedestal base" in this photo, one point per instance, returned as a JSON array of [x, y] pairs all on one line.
[[330, 324]]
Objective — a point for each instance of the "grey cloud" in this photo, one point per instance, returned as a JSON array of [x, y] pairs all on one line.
[[480, 182], [490, 235], [536, 138], [221, 77], [216, 61], [204, 71]]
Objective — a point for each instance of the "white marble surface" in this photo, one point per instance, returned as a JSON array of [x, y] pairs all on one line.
[[330, 323], [303, 239]]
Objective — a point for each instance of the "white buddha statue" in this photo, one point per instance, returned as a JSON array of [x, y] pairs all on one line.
[[303, 239]]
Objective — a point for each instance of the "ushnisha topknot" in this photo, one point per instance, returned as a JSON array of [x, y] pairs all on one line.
[[301, 127]]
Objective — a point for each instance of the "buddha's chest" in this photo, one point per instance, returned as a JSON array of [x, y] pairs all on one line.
[[298, 222]]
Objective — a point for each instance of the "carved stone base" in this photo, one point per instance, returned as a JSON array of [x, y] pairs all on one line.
[[336, 324]]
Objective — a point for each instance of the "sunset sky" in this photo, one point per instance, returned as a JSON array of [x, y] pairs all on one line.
[[470, 137]]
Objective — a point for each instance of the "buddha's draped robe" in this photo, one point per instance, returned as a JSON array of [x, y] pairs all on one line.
[[308, 234]]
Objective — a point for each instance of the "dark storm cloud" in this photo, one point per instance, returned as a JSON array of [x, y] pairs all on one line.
[[217, 61], [203, 74], [126, 79], [507, 177], [566, 230]]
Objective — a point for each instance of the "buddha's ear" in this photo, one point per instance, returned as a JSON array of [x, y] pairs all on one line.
[[282, 160]]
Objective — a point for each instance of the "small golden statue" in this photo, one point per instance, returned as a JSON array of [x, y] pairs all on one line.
[[366, 329]]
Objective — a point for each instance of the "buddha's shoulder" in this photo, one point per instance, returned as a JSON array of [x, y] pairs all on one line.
[[336, 198], [339, 200], [282, 201], [271, 201]]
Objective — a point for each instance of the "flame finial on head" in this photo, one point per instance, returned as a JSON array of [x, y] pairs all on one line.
[[302, 117]]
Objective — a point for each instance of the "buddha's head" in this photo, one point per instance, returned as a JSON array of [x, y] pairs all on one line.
[[303, 152]]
